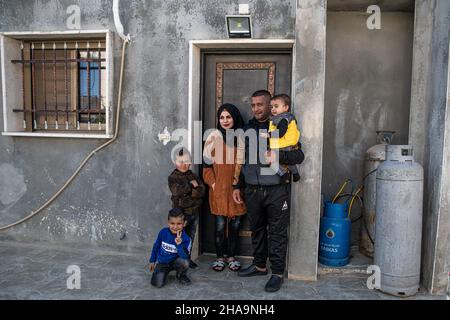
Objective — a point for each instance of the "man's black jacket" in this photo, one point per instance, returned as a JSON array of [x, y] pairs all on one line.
[[252, 173]]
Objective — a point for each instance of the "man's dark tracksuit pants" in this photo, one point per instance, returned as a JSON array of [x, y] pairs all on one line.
[[268, 213]]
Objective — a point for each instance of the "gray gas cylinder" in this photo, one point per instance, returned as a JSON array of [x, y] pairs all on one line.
[[398, 223], [375, 155]]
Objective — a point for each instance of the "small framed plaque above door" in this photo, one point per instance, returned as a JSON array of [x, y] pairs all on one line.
[[221, 67]]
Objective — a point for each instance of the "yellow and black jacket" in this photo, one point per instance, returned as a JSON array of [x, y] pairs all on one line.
[[288, 133]]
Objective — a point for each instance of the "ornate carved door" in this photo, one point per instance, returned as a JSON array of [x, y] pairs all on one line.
[[232, 77]]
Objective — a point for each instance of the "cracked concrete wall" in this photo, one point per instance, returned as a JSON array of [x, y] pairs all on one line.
[[367, 88], [123, 188]]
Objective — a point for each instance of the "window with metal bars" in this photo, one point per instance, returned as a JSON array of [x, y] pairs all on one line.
[[63, 87]]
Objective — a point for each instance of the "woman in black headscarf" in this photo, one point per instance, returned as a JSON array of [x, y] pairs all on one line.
[[220, 175], [233, 112]]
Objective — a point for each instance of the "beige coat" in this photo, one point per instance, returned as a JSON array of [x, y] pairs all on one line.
[[223, 175]]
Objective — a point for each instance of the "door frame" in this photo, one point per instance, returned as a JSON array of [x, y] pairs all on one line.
[[194, 94], [276, 61], [195, 47]]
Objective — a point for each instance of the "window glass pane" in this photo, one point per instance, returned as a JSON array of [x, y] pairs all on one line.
[[94, 81]]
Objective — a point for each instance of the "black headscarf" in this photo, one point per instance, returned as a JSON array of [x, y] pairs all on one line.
[[238, 121]]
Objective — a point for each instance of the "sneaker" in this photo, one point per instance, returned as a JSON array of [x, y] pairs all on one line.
[[184, 280], [274, 283], [251, 271], [192, 265]]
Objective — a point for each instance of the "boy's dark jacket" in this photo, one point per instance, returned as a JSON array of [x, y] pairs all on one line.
[[184, 195]]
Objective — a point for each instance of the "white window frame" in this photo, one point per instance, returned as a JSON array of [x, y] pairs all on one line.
[[12, 84]]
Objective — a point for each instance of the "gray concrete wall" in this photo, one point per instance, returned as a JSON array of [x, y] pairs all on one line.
[[367, 88], [444, 238], [308, 96], [123, 189], [434, 119], [361, 5], [420, 90]]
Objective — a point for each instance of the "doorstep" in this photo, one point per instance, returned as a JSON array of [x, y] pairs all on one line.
[[358, 264]]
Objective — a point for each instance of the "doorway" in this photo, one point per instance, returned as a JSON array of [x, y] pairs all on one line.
[[232, 76], [367, 89]]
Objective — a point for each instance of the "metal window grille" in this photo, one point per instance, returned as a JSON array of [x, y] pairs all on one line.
[[63, 82]]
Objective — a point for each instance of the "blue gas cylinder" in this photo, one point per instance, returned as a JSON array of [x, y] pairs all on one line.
[[334, 235]]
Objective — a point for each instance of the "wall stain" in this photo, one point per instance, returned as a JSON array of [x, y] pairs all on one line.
[[12, 184]]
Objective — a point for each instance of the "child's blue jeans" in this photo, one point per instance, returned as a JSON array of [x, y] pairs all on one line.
[[159, 276]]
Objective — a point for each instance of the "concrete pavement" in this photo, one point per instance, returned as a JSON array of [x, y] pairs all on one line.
[[33, 270]]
